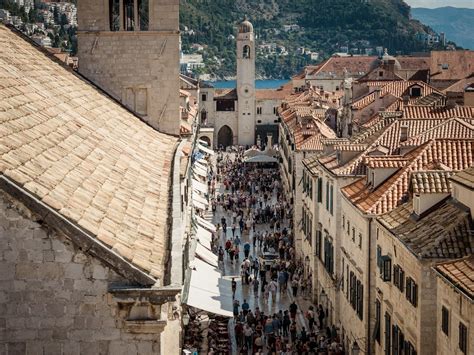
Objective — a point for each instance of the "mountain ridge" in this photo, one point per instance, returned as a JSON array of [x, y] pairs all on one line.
[[327, 26], [453, 21]]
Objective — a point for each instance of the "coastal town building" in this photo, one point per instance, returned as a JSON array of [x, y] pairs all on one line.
[[244, 115], [391, 126], [86, 261]]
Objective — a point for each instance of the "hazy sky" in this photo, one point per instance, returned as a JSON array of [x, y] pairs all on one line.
[[441, 3]]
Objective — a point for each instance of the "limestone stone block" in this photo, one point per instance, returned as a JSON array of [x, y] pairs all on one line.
[[52, 348], [72, 349], [26, 271], [73, 271], [15, 323], [7, 271], [24, 334], [34, 348], [10, 255], [55, 309], [99, 272], [16, 348]]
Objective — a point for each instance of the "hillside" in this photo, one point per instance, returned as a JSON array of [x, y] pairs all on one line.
[[324, 27], [456, 23]]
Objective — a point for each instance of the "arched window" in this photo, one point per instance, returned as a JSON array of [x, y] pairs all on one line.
[[246, 52]]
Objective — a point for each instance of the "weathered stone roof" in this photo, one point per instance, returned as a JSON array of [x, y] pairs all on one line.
[[84, 155], [446, 232], [465, 177]]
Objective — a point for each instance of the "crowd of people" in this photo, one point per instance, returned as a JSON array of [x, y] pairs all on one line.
[[256, 219]]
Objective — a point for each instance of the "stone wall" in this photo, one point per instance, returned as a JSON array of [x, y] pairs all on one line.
[[53, 297]]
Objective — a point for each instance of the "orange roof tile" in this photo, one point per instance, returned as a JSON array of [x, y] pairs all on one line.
[[460, 273], [455, 154]]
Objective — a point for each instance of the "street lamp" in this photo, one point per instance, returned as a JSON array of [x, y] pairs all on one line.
[[355, 348], [185, 319]]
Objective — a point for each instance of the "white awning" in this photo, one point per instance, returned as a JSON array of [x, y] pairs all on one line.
[[199, 198], [204, 236], [200, 141], [261, 159], [203, 161], [200, 205], [201, 187], [201, 174], [208, 225], [200, 166], [205, 149], [206, 255], [208, 290]]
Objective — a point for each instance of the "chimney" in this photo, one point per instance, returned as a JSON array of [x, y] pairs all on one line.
[[391, 66]]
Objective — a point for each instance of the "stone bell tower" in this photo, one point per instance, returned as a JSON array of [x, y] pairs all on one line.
[[246, 83], [130, 49]]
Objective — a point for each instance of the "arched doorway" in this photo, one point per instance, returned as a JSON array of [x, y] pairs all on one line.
[[225, 137]]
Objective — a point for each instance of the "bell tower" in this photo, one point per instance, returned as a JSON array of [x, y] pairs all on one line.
[[246, 83], [130, 49]]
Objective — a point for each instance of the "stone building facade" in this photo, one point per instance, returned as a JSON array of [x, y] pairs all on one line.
[[242, 115], [92, 216], [455, 307], [131, 51], [57, 299]]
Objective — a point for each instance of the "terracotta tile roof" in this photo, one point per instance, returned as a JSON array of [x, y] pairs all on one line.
[[460, 273], [454, 154], [350, 147], [431, 182], [438, 112], [395, 88], [84, 155], [274, 94], [451, 128], [225, 94], [414, 63], [390, 161], [460, 85], [444, 233], [304, 118], [465, 177], [336, 66]]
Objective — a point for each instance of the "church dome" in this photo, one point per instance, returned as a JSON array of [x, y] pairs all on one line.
[[384, 61], [245, 27]]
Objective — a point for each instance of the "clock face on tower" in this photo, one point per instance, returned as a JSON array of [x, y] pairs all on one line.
[[245, 90]]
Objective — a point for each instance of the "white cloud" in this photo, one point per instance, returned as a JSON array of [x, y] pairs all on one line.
[[441, 3]]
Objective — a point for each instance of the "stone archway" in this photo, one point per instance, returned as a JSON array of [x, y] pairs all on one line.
[[225, 137]]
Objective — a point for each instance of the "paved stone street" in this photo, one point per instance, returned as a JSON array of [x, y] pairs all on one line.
[[282, 299]]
